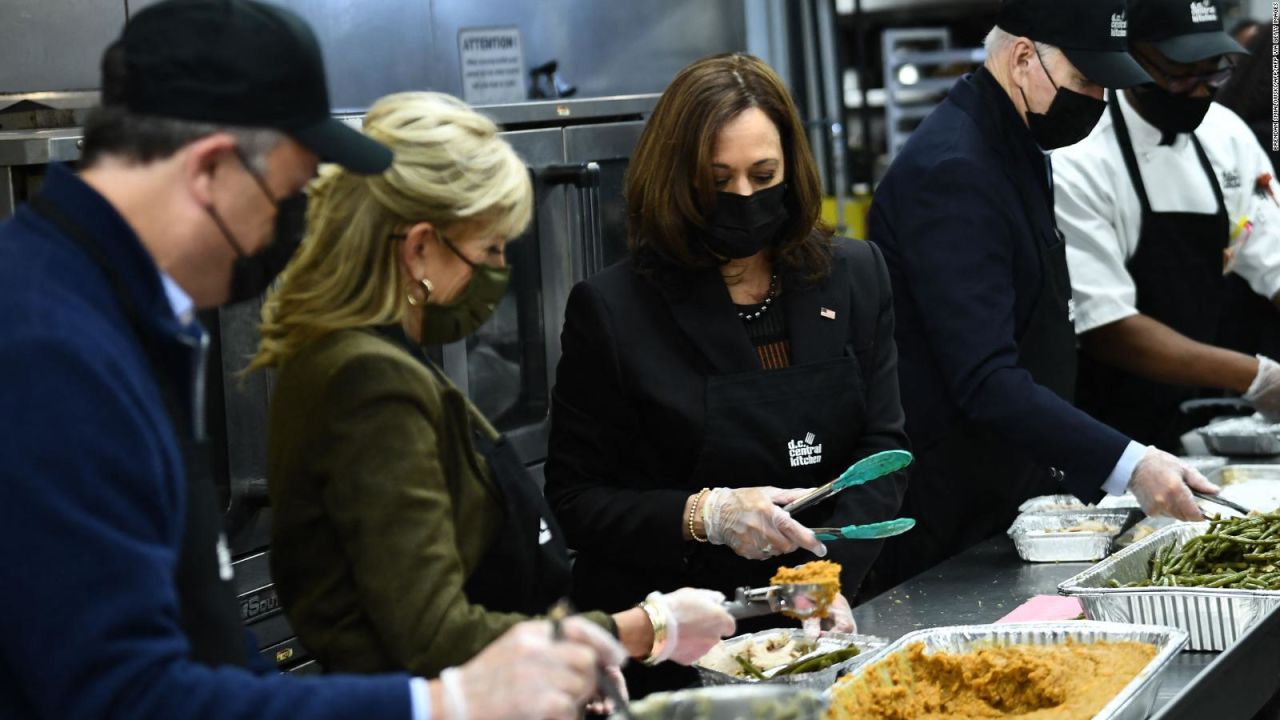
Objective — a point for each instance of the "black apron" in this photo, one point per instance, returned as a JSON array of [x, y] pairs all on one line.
[[1177, 271], [968, 486], [206, 594], [799, 426], [526, 568]]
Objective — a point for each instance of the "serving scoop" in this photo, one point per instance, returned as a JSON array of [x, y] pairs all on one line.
[[799, 600]]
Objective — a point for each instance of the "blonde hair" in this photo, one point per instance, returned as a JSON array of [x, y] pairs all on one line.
[[450, 167]]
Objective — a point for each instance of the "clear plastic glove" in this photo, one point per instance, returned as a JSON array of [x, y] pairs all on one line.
[[696, 620], [525, 673], [839, 619], [1163, 483], [753, 524], [1264, 392]]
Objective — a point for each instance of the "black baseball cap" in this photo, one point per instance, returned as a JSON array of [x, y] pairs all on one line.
[[1093, 34], [239, 63], [1185, 32]]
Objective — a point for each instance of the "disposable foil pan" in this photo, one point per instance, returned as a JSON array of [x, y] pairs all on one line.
[[1034, 537], [1052, 503], [1242, 436], [1070, 503], [1214, 617], [822, 679], [1133, 702], [1240, 474], [1204, 463], [731, 702]]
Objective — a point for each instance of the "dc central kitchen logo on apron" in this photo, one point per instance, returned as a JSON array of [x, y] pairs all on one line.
[[804, 451]]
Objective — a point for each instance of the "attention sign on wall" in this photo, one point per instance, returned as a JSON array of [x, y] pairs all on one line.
[[492, 62]]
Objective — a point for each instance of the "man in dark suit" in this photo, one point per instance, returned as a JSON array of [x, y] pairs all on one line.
[[965, 219]]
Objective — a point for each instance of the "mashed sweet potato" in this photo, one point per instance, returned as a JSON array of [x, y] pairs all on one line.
[[1059, 682], [818, 572]]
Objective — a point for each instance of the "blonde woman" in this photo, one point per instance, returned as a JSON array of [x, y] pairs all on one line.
[[406, 534]]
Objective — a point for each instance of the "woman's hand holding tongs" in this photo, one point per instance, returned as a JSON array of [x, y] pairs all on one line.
[[752, 523]]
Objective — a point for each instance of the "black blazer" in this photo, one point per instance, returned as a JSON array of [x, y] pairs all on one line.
[[959, 236], [628, 417]]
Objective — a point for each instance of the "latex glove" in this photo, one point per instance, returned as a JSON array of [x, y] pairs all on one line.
[[1264, 392], [839, 619], [603, 705], [524, 673], [1163, 483], [696, 620], [753, 524]]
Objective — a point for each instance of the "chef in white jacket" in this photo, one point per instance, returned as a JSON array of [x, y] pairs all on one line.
[[1150, 204]]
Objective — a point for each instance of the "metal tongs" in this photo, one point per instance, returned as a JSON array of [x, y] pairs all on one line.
[[864, 471], [558, 612], [1223, 502], [796, 600]]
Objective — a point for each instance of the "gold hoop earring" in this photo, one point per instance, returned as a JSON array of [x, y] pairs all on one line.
[[427, 288]]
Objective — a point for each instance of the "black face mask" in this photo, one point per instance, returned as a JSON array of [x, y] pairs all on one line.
[[1171, 113], [742, 225], [251, 275], [1070, 117]]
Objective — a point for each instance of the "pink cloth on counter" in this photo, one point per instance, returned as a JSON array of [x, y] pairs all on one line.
[[1045, 607]]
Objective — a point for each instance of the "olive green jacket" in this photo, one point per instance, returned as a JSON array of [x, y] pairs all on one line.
[[381, 509]]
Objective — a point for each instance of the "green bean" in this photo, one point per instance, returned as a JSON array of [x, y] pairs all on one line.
[[749, 667]]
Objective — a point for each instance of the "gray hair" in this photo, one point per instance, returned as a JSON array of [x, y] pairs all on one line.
[[114, 130], [999, 40]]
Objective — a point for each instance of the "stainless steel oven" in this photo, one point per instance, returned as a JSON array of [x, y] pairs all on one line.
[[577, 155]]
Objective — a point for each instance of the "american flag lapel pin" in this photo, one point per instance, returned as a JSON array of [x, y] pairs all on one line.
[[827, 313]]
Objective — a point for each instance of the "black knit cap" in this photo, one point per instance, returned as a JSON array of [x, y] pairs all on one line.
[[1185, 32], [239, 63], [1093, 34]]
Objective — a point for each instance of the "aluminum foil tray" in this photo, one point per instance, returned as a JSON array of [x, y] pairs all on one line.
[[1213, 617], [1052, 503], [1239, 474], [1070, 503], [1242, 436], [820, 680], [1134, 701], [1204, 463], [730, 702], [1035, 543]]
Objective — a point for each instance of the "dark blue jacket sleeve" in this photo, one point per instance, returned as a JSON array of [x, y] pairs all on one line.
[[955, 250], [90, 532]]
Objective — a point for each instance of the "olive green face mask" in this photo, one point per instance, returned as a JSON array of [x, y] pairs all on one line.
[[443, 324]]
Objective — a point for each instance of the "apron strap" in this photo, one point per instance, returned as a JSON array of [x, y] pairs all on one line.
[[1213, 176], [1126, 150]]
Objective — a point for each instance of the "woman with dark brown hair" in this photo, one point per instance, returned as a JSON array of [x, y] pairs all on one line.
[[739, 357]]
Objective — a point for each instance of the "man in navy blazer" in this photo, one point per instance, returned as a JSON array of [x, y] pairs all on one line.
[[983, 301]]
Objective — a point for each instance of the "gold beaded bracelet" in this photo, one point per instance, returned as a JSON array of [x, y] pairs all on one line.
[[693, 510]]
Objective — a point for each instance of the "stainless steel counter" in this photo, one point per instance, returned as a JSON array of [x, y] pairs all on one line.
[[982, 585]]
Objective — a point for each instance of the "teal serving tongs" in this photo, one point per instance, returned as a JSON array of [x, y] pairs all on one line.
[[864, 471], [872, 531]]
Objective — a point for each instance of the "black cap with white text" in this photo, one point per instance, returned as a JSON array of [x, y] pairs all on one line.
[[1093, 34], [1185, 31]]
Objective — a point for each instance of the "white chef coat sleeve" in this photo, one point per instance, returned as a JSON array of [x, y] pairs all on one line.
[[1258, 262], [1101, 286]]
